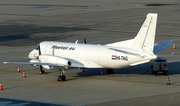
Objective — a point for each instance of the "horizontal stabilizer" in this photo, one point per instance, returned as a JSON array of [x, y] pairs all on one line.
[[161, 46]]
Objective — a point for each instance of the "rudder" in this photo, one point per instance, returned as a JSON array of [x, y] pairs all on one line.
[[146, 35]]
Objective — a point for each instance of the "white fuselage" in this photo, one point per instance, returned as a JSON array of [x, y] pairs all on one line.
[[115, 55], [131, 52], [92, 56]]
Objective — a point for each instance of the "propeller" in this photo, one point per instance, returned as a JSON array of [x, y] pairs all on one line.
[[39, 49], [41, 68], [85, 41]]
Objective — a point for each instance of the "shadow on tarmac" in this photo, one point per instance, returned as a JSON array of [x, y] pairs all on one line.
[[143, 69], [14, 102], [28, 33]]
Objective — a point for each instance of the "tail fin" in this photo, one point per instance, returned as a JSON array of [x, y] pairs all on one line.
[[146, 35], [144, 40]]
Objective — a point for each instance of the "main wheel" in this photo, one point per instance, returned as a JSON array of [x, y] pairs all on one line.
[[165, 73], [156, 73], [153, 72], [60, 78], [109, 71], [64, 78]]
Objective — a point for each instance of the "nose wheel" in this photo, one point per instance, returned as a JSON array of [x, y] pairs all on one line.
[[41, 71]]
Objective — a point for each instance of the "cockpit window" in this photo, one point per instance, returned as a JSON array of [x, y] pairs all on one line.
[[37, 47]]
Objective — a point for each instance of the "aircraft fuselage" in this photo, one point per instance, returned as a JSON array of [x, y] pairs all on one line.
[[92, 56]]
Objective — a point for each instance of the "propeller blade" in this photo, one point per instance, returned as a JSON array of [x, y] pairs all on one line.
[[39, 49], [85, 41], [41, 68]]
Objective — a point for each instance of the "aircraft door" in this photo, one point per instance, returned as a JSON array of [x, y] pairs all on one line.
[[49, 50]]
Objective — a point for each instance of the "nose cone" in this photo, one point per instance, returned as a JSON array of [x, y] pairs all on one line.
[[33, 54], [30, 56]]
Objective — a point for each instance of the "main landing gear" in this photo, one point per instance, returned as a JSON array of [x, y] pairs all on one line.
[[62, 77], [109, 72]]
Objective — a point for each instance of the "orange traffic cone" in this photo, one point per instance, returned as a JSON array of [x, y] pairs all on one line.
[[1, 88], [24, 74], [168, 81], [174, 47], [18, 69]]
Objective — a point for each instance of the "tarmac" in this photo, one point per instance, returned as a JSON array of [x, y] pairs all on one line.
[[23, 24]]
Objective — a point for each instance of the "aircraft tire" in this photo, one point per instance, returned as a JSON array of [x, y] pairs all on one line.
[[156, 73], [153, 72], [165, 73], [109, 71], [60, 78], [64, 78]]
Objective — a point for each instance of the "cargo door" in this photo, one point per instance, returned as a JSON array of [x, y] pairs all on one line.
[[49, 49]]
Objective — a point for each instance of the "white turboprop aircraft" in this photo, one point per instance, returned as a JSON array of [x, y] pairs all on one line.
[[141, 49]]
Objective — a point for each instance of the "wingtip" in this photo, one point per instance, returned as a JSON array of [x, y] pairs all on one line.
[[4, 62]]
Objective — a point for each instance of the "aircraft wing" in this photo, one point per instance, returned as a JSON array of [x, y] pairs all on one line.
[[45, 63], [161, 46], [26, 63], [74, 63]]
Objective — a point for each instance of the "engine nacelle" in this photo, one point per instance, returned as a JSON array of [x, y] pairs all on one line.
[[34, 61], [54, 60], [46, 67]]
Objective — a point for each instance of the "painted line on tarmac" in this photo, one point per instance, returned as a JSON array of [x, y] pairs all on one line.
[[71, 6], [22, 22], [65, 23], [167, 26]]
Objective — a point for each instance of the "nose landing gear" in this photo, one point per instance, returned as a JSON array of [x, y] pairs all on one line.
[[41, 71]]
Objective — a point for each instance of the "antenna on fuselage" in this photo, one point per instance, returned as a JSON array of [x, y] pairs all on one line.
[[39, 49], [76, 42]]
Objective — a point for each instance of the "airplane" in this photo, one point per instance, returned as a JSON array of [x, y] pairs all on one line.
[[65, 55]]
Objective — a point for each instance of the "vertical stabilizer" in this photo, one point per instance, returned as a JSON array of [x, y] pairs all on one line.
[[145, 38]]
